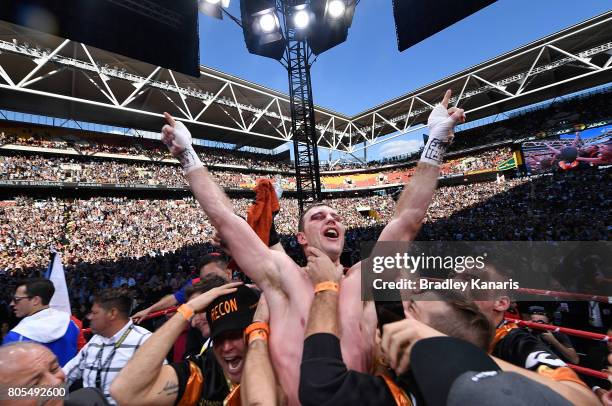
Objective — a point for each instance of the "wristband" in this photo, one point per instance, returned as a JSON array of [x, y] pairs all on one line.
[[186, 311], [257, 335], [258, 330], [188, 158], [257, 325], [327, 285]]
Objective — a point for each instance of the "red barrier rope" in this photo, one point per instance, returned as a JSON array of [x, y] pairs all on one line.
[[573, 332], [556, 294], [147, 317], [588, 371], [565, 330], [567, 295]]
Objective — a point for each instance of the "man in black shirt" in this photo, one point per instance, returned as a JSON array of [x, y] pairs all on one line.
[[557, 342], [220, 365], [517, 346], [325, 380]]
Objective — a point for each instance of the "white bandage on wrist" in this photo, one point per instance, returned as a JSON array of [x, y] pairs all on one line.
[[433, 153], [189, 160], [440, 136]]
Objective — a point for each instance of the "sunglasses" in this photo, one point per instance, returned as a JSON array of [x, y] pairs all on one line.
[[17, 299]]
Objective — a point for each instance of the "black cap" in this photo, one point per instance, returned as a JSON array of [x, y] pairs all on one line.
[[501, 389], [232, 312], [537, 310], [435, 363]]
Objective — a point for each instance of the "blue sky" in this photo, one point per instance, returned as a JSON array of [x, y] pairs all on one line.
[[367, 69]]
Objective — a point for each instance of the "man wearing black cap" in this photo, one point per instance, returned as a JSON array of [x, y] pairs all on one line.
[[145, 381]]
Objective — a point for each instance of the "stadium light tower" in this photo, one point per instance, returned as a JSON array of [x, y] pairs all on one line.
[[292, 31]]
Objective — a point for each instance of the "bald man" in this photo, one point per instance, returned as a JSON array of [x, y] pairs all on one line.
[[29, 364]]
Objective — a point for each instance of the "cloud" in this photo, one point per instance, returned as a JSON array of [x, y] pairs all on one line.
[[399, 147]]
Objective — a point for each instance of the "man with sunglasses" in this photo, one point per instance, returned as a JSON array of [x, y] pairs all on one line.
[[52, 328]]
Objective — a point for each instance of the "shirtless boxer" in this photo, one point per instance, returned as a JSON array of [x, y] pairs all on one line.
[[286, 286]]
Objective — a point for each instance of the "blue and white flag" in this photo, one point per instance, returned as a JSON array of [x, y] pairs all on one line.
[[51, 327], [60, 300]]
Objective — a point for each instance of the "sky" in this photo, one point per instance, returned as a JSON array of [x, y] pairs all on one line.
[[368, 70]]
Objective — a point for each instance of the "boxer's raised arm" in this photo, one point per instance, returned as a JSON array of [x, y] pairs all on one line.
[[417, 195], [251, 254]]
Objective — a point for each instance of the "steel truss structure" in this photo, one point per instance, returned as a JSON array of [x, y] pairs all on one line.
[[574, 59], [543, 145], [306, 154], [46, 75]]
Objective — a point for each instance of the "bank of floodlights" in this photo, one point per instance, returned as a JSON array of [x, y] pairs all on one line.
[[322, 23]]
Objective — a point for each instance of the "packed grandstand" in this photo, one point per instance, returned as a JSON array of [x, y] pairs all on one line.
[[120, 212]]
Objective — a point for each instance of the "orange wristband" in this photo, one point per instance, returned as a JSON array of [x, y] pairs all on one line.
[[258, 325], [258, 335], [327, 285], [256, 330], [186, 311]]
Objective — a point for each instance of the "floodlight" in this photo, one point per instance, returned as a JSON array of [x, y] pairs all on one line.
[[211, 8], [261, 28], [332, 19], [267, 23], [335, 8], [301, 19]]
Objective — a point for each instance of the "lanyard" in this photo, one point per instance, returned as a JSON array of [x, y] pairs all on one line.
[[109, 358]]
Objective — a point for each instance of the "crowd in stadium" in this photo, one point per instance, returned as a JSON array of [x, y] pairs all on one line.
[[126, 257], [64, 169], [212, 156], [39, 168], [540, 121], [567, 206], [108, 229]]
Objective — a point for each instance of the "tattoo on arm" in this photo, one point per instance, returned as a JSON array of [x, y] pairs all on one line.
[[170, 388]]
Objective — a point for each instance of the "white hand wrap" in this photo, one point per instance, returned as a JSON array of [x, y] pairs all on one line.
[[188, 158], [440, 125]]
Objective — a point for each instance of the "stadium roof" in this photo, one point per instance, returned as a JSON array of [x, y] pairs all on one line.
[[47, 75]]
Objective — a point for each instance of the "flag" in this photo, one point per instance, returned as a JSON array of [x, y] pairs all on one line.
[[60, 300], [51, 327]]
